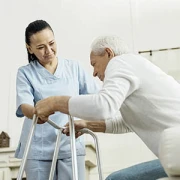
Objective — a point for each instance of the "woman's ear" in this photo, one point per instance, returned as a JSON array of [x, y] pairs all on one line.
[[29, 49], [110, 53]]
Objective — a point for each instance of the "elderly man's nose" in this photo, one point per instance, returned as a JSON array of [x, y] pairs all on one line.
[[94, 73]]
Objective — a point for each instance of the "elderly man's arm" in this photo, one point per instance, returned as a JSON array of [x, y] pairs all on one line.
[[95, 126], [114, 125]]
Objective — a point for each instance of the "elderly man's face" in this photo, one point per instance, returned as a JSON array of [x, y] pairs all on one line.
[[99, 63]]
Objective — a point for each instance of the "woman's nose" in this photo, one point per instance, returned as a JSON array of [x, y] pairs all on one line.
[[48, 50]]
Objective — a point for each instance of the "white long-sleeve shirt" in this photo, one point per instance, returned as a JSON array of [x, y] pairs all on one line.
[[148, 99]]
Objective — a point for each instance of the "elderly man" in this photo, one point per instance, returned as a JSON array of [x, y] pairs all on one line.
[[148, 99]]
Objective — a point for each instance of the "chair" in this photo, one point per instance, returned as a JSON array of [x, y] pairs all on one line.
[[169, 152]]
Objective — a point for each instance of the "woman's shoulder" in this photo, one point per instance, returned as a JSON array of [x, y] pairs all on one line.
[[26, 67], [69, 63]]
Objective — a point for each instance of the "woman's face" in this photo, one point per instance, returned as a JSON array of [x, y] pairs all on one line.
[[43, 46]]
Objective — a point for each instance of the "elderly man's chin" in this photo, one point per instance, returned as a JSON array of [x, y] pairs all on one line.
[[101, 78]]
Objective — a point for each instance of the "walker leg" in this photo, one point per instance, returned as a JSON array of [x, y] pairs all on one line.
[[73, 148], [57, 145], [87, 131], [55, 155], [23, 163]]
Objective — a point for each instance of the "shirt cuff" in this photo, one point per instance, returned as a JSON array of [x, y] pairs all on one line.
[[109, 126]]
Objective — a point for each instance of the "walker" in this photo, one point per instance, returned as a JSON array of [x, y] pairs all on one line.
[[57, 146]]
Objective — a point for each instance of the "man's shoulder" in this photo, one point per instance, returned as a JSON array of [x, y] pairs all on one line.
[[128, 55]]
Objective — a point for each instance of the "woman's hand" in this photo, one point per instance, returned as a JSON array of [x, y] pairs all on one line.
[[42, 121], [44, 108]]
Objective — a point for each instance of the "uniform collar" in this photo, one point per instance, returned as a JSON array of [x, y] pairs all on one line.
[[46, 74]]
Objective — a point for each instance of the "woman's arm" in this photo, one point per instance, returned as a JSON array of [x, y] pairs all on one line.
[[27, 110]]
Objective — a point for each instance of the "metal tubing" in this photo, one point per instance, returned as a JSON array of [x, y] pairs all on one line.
[[56, 150], [26, 151], [57, 145], [73, 148], [55, 155], [87, 131], [23, 163], [55, 125]]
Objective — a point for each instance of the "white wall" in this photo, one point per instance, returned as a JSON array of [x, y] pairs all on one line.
[[144, 24]]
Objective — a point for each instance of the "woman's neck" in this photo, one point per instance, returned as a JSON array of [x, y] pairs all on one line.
[[51, 67]]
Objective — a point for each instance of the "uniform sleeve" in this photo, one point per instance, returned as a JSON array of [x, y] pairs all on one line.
[[24, 92], [119, 83], [87, 83]]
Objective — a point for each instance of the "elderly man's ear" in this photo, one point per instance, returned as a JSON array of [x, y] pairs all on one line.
[[110, 53]]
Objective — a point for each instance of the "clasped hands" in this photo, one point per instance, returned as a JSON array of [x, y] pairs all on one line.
[[45, 107], [48, 106]]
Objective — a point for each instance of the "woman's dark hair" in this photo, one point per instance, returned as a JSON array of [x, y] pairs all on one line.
[[31, 29]]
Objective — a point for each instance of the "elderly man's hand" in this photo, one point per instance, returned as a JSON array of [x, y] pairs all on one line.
[[45, 107], [78, 125]]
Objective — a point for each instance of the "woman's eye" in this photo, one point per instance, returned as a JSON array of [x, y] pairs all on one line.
[[40, 47]]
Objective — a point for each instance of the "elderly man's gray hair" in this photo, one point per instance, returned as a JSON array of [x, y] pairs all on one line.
[[115, 43]]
